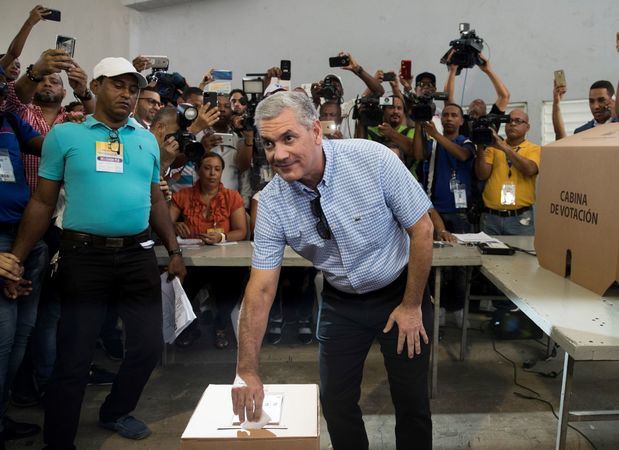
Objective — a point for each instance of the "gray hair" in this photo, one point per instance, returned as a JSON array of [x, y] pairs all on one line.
[[299, 103]]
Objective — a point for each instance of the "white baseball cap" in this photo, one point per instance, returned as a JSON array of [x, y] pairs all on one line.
[[112, 67]]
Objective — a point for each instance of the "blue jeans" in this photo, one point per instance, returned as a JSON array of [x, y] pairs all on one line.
[[17, 317], [520, 225]]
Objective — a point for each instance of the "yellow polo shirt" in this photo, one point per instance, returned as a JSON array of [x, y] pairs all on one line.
[[525, 186]]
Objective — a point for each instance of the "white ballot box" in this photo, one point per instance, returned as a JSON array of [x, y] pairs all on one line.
[[295, 425]]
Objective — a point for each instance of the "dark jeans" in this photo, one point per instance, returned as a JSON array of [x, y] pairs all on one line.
[[302, 292], [347, 327], [91, 279], [453, 286]]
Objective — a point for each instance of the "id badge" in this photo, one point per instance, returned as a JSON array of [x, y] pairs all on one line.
[[266, 174], [109, 157], [508, 194], [7, 174], [453, 183], [460, 197]]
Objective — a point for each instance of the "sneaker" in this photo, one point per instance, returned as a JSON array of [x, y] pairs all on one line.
[[274, 334], [189, 335], [221, 341], [97, 376], [128, 427], [19, 430], [305, 332], [25, 399], [113, 349]]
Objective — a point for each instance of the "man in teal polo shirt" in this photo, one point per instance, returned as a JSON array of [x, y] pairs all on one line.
[[110, 169]]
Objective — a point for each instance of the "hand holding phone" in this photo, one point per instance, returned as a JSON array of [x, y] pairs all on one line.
[[560, 79], [53, 15], [406, 69], [339, 61], [66, 43]]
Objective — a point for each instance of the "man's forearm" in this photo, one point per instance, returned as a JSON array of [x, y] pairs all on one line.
[[482, 168], [522, 164], [17, 44], [372, 83], [419, 262], [25, 89], [419, 143], [557, 121], [34, 223], [252, 326], [161, 223], [456, 150], [405, 144], [500, 89]]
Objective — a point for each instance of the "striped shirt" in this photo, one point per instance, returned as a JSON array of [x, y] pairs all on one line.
[[34, 116], [369, 199]]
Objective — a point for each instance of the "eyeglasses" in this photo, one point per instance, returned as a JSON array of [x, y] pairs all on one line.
[[322, 227], [424, 84], [113, 144], [151, 101], [517, 121]]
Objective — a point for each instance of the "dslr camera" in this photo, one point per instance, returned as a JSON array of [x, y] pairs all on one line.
[[330, 89], [466, 49], [422, 107], [481, 128], [189, 147]]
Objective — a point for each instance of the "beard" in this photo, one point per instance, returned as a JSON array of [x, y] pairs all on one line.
[[40, 97]]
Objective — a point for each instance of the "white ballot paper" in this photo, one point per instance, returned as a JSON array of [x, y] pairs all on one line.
[[177, 311], [271, 411]]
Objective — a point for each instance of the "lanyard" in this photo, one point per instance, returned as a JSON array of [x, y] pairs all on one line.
[[509, 162]]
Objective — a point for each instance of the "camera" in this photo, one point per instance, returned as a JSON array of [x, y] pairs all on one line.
[[385, 101], [466, 49], [367, 111], [481, 132], [254, 89], [188, 146], [168, 85], [330, 89], [422, 107]]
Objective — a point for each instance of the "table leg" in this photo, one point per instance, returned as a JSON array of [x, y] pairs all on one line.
[[566, 396], [465, 313], [437, 310]]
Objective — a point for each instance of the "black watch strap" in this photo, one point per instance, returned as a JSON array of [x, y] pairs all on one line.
[[176, 251]]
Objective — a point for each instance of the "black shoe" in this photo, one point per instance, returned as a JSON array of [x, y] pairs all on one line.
[[100, 377], [113, 349], [18, 430], [305, 332], [25, 399], [188, 337]]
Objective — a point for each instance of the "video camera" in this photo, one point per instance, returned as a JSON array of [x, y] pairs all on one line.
[[168, 85], [189, 147], [466, 49], [421, 107], [253, 85], [481, 132]]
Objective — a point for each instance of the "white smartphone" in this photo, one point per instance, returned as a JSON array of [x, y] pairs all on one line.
[[226, 139]]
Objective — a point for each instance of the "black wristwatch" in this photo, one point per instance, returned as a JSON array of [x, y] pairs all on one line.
[[84, 98], [31, 76], [176, 251]]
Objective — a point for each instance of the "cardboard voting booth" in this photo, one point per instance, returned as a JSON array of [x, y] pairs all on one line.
[[295, 421], [577, 213]]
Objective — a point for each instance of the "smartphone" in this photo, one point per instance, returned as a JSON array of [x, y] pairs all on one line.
[[284, 65], [560, 78], [328, 127], [66, 43], [406, 69], [226, 139], [253, 85], [219, 74], [339, 61], [210, 97], [389, 76], [158, 62], [53, 15]]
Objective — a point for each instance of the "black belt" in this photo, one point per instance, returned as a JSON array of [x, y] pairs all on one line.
[[105, 241], [9, 227], [507, 212]]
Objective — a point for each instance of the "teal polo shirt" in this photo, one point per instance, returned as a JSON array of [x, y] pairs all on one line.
[[102, 203]]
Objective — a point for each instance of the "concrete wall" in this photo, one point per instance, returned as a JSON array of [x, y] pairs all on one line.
[[527, 40]]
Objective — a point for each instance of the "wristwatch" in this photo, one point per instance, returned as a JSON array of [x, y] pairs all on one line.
[[176, 251], [84, 98]]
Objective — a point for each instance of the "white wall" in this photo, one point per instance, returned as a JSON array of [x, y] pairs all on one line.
[[528, 39]]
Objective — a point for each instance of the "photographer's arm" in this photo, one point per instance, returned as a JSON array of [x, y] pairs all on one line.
[[419, 143], [450, 83], [557, 118], [372, 83], [245, 151], [482, 168], [17, 44], [454, 149], [500, 88]]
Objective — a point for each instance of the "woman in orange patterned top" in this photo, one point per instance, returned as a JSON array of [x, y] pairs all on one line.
[[215, 215]]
